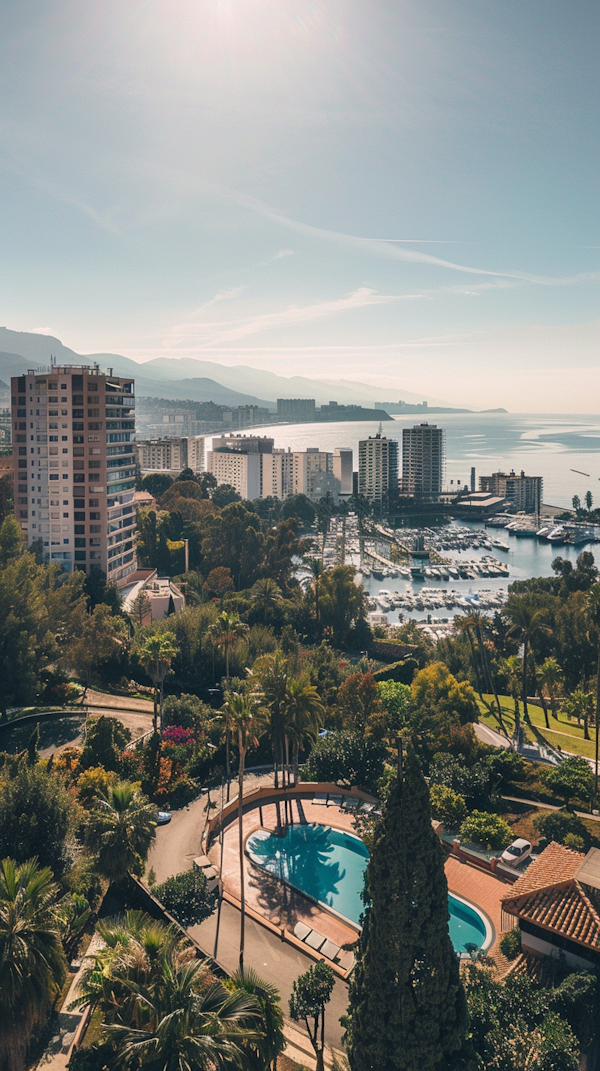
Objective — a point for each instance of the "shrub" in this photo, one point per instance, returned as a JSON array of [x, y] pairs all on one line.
[[447, 806], [574, 842], [558, 825], [402, 672], [37, 818], [188, 711], [573, 778], [396, 698], [510, 944], [186, 897], [346, 756], [105, 739], [181, 792], [94, 782], [471, 782], [489, 830]]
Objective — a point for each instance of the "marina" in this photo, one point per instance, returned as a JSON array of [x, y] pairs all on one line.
[[433, 574]]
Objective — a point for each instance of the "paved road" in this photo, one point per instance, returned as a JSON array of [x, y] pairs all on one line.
[[271, 957], [179, 843], [59, 733], [489, 736]]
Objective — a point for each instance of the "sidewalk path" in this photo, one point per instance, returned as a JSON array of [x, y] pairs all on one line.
[[58, 1053], [274, 959]]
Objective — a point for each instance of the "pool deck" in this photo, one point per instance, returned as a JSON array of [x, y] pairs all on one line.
[[264, 892]]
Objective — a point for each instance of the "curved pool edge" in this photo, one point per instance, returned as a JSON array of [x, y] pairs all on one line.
[[295, 888], [490, 930]]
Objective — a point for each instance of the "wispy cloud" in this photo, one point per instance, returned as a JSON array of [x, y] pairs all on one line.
[[215, 332]]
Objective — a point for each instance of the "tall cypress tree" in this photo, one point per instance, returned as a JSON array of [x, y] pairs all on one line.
[[407, 1006]]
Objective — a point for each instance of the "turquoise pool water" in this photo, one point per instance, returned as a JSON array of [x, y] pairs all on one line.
[[329, 866]]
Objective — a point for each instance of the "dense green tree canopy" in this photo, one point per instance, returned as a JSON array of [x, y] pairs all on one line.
[[37, 817]]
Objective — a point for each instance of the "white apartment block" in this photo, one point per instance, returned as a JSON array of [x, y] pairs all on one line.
[[242, 471], [162, 455], [171, 455], [74, 467], [279, 473]]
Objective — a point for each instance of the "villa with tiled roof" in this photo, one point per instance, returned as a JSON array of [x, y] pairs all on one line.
[[556, 905]]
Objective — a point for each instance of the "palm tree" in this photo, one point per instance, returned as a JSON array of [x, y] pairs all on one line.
[[156, 654], [482, 623], [303, 716], [593, 614], [317, 569], [159, 1007], [466, 626], [265, 593], [134, 951], [262, 1054], [270, 683], [226, 632], [514, 670], [552, 679], [121, 828], [247, 720], [527, 620], [32, 961]]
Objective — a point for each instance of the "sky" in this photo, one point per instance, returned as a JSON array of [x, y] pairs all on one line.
[[403, 192]]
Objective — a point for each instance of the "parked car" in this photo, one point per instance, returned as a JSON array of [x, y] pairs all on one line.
[[164, 817], [516, 852]]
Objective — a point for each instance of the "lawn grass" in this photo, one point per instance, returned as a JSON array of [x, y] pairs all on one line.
[[563, 732]]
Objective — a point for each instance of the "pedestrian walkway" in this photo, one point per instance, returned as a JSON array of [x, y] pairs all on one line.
[[58, 1052]]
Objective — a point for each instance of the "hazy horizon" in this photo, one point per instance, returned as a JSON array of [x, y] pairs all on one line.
[[403, 194]]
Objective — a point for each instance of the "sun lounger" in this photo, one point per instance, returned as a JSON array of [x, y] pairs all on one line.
[[202, 861], [301, 931], [209, 872], [330, 949], [345, 960], [367, 808], [335, 800], [320, 800], [315, 940], [350, 804]]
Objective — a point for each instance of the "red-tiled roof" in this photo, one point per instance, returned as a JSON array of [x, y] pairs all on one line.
[[556, 864], [549, 895]]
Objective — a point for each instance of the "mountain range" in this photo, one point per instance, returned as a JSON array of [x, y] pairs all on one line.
[[188, 377]]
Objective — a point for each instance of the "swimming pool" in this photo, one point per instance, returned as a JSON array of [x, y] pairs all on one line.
[[329, 866]]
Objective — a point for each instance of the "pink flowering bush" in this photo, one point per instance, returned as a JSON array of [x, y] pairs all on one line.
[[177, 735]]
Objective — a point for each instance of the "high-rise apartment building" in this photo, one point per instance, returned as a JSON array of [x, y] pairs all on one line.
[[74, 467], [378, 468], [422, 460], [296, 410], [523, 492]]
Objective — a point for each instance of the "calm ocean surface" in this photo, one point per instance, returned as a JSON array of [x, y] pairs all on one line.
[[548, 446]]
